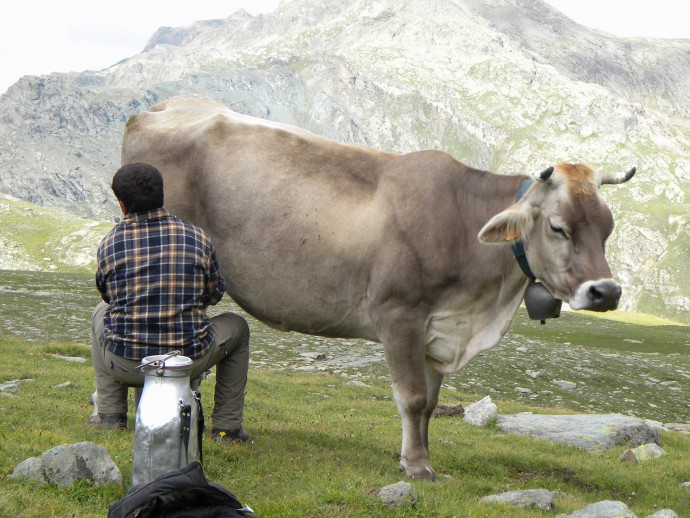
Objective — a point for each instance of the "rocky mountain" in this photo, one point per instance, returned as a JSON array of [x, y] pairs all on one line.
[[511, 86]]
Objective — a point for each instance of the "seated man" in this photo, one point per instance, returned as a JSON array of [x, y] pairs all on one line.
[[157, 276]]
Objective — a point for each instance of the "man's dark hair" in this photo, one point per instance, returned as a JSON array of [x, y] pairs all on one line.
[[139, 186]]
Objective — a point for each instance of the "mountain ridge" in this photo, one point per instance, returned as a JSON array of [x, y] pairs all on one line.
[[510, 86]]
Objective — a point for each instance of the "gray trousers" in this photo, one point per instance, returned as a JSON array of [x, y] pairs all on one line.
[[229, 352]]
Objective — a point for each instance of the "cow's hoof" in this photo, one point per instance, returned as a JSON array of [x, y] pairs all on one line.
[[419, 472]]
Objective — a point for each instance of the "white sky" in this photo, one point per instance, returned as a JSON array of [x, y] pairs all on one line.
[[38, 37]]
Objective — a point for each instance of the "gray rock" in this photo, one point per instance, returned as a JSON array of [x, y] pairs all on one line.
[[679, 427], [314, 356], [540, 498], [664, 513], [657, 424], [481, 412], [358, 383], [565, 385], [30, 469], [398, 494], [685, 484], [642, 453], [72, 359], [604, 509], [12, 388], [66, 464], [592, 432]]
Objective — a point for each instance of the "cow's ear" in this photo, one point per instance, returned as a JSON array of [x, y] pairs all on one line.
[[507, 226]]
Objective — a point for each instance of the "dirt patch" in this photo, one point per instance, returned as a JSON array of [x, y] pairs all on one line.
[[448, 411]]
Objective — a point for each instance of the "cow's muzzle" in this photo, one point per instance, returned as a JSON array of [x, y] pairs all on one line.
[[601, 295]]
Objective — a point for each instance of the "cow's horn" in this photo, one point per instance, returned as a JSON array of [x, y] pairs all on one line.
[[544, 175], [614, 178]]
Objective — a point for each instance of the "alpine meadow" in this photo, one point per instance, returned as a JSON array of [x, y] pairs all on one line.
[[507, 86]]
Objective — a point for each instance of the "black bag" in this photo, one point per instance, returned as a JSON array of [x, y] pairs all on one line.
[[183, 493]]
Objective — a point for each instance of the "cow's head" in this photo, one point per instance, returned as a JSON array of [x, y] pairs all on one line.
[[563, 223]]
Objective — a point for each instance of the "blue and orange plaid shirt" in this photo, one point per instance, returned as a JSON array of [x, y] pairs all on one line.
[[158, 275]]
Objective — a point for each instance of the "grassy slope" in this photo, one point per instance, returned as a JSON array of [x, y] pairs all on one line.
[[319, 447], [617, 366], [43, 239]]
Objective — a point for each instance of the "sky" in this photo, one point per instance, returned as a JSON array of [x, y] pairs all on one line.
[[38, 37]]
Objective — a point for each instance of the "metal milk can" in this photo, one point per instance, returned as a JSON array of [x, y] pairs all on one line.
[[169, 418]]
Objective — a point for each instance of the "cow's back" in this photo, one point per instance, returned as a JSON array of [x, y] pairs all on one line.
[[297, 219]]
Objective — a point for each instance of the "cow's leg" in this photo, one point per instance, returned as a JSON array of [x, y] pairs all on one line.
[[398, 310], [406, 358], [434, 378]]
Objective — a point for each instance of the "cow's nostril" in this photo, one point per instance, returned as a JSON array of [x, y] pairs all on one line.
[[595, 293]]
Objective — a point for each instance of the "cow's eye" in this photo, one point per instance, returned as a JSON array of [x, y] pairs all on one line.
[[555, 227]]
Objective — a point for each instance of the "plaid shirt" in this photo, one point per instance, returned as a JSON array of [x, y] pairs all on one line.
[[158, 275]]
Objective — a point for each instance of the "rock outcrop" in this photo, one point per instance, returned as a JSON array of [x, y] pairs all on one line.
[[592, 432]]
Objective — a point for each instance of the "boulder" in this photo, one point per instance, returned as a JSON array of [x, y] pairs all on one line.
[[357, 383], [565, 385], [30, 469], [664, 513], [398, 494], [65, 464], [480, 413], [642, 453], [593, 432], [12, 388], [540, 498], [314, 356], [604, 509]]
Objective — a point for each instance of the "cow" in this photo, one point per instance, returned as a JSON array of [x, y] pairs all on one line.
[[410, 250]]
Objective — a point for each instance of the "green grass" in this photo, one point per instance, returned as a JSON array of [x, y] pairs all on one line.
[[48, 239], [629, 317], [319, 447]]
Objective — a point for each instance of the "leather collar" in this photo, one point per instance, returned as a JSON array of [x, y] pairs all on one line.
[[517, 247]]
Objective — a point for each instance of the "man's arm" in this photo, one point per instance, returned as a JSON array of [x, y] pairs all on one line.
[[215, 284], [100, 284]]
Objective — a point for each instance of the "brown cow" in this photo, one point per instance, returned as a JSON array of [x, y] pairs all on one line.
[[345, 241]]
